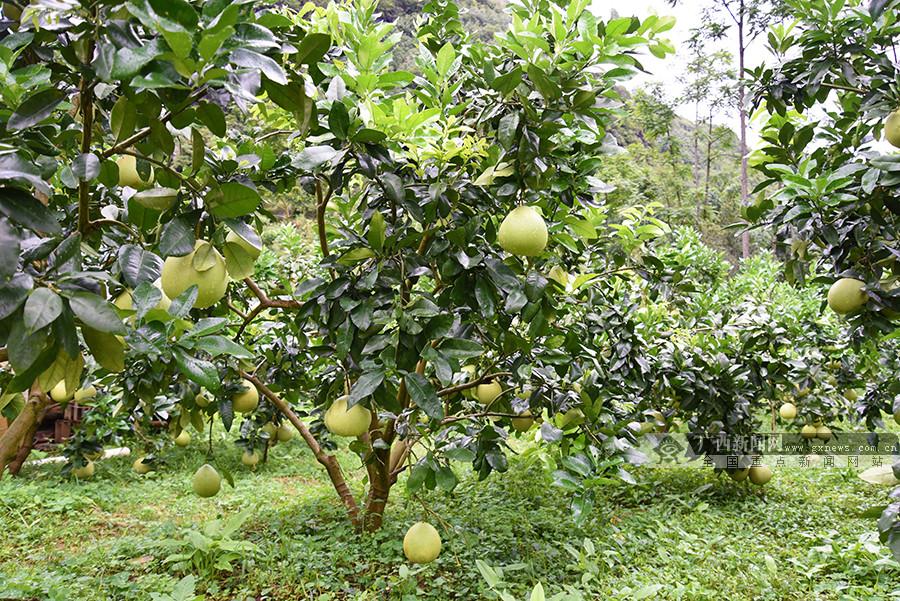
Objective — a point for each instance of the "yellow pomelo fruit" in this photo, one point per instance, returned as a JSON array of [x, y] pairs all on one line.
[[272, 430], [422, 543], [846, 295], [179, 274], [760, 474], [83, 394], [246, 401], [808, 431], [487, 393], [206, 481], [788, 411], [140, 467], [523, 232], [128, 175], [248, 248], [739, 475], [84, 472], [183, 439], [250, 459], [285, 432], [823, 433], [892, 129], [201, 399], [524, 422], [59, 393], [851, 394], [352, 423]]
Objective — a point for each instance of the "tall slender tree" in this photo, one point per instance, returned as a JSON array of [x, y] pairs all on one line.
[[748, 19]]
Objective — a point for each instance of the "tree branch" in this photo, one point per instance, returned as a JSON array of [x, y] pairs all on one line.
[[467, 385], [322, 199], [264, 303], [329, 462], [86, 101]]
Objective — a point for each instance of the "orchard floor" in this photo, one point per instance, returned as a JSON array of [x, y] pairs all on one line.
[[680, 534]]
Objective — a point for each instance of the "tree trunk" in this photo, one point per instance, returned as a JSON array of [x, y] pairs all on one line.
[[745, 178], [26, 422], [379, 489], [27, 443], [709, 149]]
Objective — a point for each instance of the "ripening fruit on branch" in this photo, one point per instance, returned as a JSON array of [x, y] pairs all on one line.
[[247, 400], [83, 394], [206, 481], [846, 295], [808, 431], [342, 422], [285, 432], [250, 458], [823, 433], [760, 474], [140, 467], [523, 232], [892, 129], [524, 422], [469, 370], [201, 399], [207, 272], [851, 394], [487, 393], [422, 543], [788, 411], [183, 439], [128, 173], [85, 471], [59, 393]]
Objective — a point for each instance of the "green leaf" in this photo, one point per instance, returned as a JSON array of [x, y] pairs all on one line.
[[13, 293], [96, 313], [376, 231], [232, 199], [24, 348], [313, 157], [177, 238], [25, 209], [86, 166], [393, 187], [197, 370], [424, 395], [444, 60], [212, 117], [254, 60], [312, 48], [34, 109], [365, 386], [220, 345], [508, 82], [9, 249], [506, 132], [211, 42], [238, 262], [41, 309], [546, 86], [339, 120], [108, 350], [138, 265]]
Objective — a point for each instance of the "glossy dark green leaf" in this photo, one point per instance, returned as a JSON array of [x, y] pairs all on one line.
[[34, 109], [13, 293], [339, 120], [199, 371], [424, 395], [41, 309], [254, 60], [177, 238], [232, 199], [211, 115], [365, 386], [138, 265], [312, 48], [220, 345], [9, 249], [96, 313]]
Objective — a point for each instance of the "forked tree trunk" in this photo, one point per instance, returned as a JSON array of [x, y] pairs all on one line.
[[27, 444]]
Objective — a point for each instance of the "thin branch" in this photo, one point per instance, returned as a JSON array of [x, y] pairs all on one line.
[[329, 462], [86, 101], [467, 385], [264, 303], [322, 198], [187, 180], [272, 134]]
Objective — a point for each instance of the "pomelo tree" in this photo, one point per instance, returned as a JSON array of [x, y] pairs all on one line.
[[832, 185], [129, 197]]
